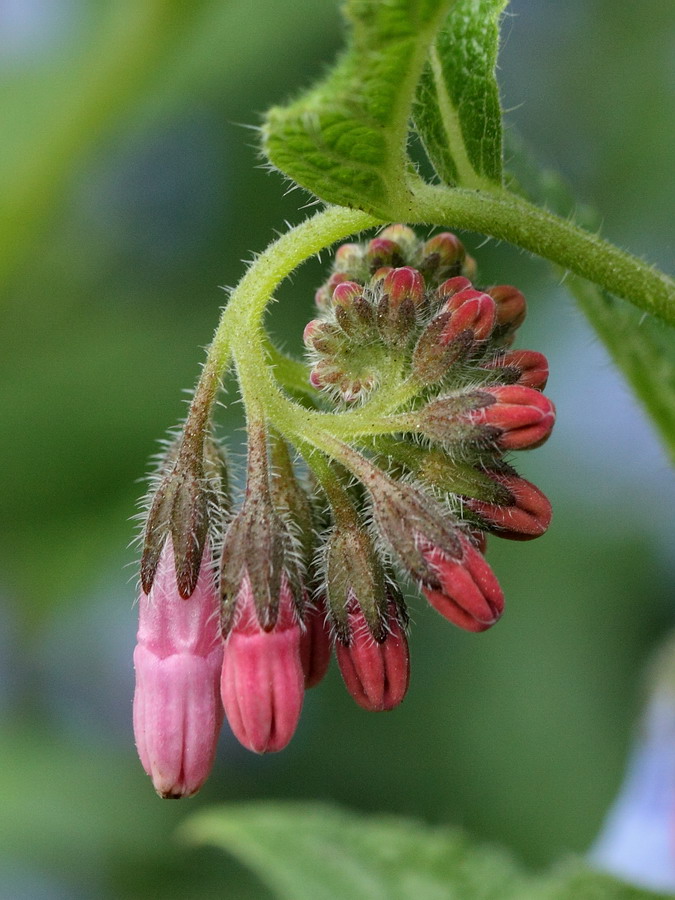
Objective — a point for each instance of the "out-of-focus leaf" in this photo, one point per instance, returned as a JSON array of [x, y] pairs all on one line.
[[315, 852], [345, 139], [456, 110], [131, 43]]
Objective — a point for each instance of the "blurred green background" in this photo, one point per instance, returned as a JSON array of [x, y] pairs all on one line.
[[131, 192]]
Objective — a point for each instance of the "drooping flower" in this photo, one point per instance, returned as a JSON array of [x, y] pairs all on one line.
[[178, 658], [375, 672], [263, 681]]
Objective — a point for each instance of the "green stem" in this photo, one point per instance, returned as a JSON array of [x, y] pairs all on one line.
[[345, 515], [508, 217], [293, 374]]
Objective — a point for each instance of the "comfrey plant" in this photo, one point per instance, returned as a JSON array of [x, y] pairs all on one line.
[[404, 414]]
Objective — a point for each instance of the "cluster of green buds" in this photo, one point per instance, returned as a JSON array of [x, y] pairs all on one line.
[[412, 397]]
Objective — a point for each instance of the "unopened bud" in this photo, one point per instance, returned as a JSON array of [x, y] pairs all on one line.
[[529, 366], [346, 293], [471, 310], [324, 295], [435, 353], [262, 681], [349, 259], [376, 674], [442, 257], [527, 516], [258, 547], [405, 238], [403, 284], [354, 574], [450, 287], [522, 415], [177, 709], [456, 418], [402, 293], [382, 252], [469, 594], [409, 520], [315, 644], [511, 310]]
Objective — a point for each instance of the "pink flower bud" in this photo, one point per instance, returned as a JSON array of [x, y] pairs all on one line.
[[403, 236], [177, 710], [471, 310], [447, 247], [383, 252], [511, 305], [527, 517], [375, 674], [402, 284], [470, 595], [262, 682], [346, 293], [324, 295], [452, 286], [524, 416], [312, 328], [349, 259], [531, 365], [315, 645]]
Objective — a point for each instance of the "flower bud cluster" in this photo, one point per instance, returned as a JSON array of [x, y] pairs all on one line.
[[374, 303], [402, 321], [239, 613]]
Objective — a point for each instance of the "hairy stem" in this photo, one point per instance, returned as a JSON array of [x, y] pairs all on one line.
[[509, 217]]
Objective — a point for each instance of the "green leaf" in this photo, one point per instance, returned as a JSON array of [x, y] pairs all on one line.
[[345, 140], [641, 346], [317, 852], [457, 111]]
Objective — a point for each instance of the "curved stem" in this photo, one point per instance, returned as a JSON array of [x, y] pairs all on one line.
[[504, 215]]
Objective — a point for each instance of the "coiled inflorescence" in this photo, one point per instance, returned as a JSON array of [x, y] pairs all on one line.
[[419, 360]]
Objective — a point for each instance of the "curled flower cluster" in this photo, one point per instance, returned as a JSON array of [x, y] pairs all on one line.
[[408, 349]]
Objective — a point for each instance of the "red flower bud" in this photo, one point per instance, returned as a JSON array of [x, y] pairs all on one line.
[[471, 310], [324, 295], [524, 416], [262, 681], [346, 293], [451, 287], [376, 674], [403, 284], [532, 367], [382, 252], [511, 305], [470, 595], [447, 247], [527, 517], [315, 645]]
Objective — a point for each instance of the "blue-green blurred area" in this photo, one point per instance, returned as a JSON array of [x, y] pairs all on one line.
[[133, 195]]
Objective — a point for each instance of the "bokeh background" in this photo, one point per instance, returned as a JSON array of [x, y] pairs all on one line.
[[131, 194]]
